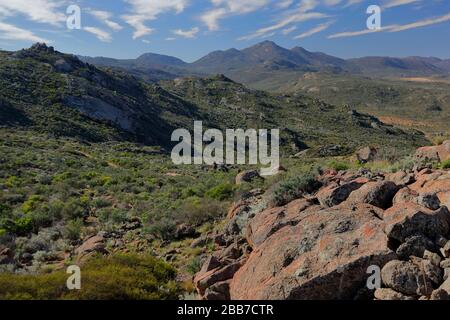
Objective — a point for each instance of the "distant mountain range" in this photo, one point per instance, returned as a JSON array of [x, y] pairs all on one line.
[[267, 57], [44, 90]]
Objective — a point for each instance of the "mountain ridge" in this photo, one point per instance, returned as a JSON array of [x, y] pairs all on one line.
[[268, 55]]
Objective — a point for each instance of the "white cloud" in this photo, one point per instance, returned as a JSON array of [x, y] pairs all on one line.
[[227, 8], [395, 28], [43, 11], [289, 30], [99, 33], [421, 23], [352, 33], [187, 33], [106, 17], [319, 28], [283, 4], [286, 21], [147, 10], [397, 3], [11, 32], [171, 39]]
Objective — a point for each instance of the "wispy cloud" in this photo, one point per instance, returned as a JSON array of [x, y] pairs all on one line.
[[189, 34], [397, 3], [286, 21], [43, 11], [99, 34], [421, 23], [319, 28], [11, 32], [289, 30], [353, 33], [226, 8], [395, 28], [106, 18], [302, 12], [147, 10]]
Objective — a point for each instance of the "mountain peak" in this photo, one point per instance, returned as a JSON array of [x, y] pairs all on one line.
[[41, 47]]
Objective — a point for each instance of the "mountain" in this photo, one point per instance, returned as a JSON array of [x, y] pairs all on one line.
[[59, 94], [267, 65], [265, 55], [386, 66], [150, 67]]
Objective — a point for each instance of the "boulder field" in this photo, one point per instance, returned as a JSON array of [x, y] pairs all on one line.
[[321, 246]]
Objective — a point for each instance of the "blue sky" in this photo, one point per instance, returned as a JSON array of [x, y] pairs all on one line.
[[189, 29]]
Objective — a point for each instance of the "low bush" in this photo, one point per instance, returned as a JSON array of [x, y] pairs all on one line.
[[445, 164], [222, 192], [294, 188], [119, 277]]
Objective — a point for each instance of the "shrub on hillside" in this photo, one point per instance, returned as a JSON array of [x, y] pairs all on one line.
[[446, 164], [294, 188], [119, 277]]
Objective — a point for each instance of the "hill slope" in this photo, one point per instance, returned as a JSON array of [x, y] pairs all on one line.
[[59, 94]]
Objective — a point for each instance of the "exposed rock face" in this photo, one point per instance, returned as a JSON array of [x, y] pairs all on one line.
[[366, 154], [435, 153], [406, 278], [91, 246], [321, 246], [247, 176], [326, 256], [333, 194], [405, 220], [379, 194]]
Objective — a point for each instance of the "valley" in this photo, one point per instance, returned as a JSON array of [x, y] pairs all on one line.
[[86, 176]]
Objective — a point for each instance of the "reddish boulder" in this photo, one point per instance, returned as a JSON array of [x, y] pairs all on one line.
[[268, 222], [401, 178], [333, 194], [405, 277], [379, 194], [326, 256], [435, 153], [407, 219], [95, 244], [203, 281]]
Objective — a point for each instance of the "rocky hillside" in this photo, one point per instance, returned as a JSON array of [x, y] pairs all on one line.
[[45, 90], [322, 244]]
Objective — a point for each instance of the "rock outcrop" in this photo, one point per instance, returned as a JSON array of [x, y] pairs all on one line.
[[435, 153], [322, 246]]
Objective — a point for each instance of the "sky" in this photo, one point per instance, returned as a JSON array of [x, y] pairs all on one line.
[[190, 29]]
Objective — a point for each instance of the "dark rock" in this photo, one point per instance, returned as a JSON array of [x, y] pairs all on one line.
[[405, 277], [415, 246], [366, 154], [247, 176], [333, 195], [409, 219], [389, 294], [379, 194]]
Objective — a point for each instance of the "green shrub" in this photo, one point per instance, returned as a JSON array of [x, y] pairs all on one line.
[[194, 266], [31, 204], [294, 188], [221, 192], [119, 277], [74, 209], [163, 229], [21, 226], [445, 164], [196, 211], [339, 166], [73, 228], [114, 215]]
